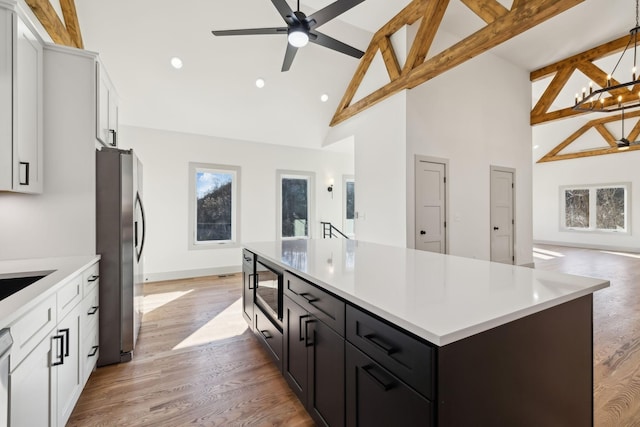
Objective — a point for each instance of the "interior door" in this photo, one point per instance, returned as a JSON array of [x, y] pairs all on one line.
[[430, 205], [502, 218]]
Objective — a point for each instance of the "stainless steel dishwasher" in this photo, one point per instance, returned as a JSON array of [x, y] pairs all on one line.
[[5, 346]]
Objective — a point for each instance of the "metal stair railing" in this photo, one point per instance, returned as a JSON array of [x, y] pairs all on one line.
[[330, 231]]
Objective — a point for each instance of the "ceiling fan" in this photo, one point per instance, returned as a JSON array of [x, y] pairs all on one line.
[[301, 29]]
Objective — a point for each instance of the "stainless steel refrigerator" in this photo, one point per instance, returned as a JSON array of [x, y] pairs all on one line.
[[120, 241]]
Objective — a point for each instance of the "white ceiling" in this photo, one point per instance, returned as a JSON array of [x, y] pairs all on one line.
[[215, 94]]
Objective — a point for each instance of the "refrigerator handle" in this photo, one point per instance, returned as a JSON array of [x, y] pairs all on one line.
[[144, 227]]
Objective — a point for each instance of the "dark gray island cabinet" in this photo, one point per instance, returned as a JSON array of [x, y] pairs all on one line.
[[354, 359]]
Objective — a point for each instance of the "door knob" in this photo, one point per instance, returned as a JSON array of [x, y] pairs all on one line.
[[423, 232], [496, 228]]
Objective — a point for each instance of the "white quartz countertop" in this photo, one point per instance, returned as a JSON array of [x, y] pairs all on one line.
[[61, 269], [441, 298]]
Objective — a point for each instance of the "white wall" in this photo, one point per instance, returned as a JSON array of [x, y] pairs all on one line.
[[549, 177], [380, 170], [61, 221], [475, 115], [459, 116], [166, 156]]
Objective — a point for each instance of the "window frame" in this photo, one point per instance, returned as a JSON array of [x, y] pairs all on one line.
[[193, 243], [593, 189], [311, 201]]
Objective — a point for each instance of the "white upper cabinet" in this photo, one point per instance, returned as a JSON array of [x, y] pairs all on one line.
[[21, 107], [107, 109]]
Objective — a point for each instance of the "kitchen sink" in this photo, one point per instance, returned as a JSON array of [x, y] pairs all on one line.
[[14, 282]]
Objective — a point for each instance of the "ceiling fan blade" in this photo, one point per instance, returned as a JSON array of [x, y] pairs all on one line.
[[326, 41], [288, 57], [328, 13], [250, 31], [285, 11]]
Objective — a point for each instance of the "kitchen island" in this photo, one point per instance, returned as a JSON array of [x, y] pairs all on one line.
[[423, 338]]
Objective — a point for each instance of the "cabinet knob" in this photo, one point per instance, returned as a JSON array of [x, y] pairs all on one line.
[[422, 232]]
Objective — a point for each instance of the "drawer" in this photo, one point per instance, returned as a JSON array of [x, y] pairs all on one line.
[[317, 302], [247, 258], [89, 312], [408, 358], [378, 398], [90, 279], [69, 295], [31, 329], [269, 335], [89, 353]]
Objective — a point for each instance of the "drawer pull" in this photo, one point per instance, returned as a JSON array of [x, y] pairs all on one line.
[[248, 259], [94, 350], [307, 341], [65, 331], [266, 334], [310, 299], [93, 278], [93, 310], [59, 350], [250, 281], [373, 339], [300, 327], [384, 386]]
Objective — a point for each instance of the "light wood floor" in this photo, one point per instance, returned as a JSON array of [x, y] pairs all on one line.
[[197, 364]]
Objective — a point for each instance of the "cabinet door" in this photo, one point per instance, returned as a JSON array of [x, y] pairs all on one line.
[[113, 118], [102, 116], [69, 373], [296, 325], [377, 398], [31, 388], [28, 149], [326, 375], [7, 21]]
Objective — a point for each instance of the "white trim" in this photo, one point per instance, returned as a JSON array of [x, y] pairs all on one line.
[[188, 274], [311, 200], [512, 171], [417, 158], [345, 180], [235, 206], [593, 208]]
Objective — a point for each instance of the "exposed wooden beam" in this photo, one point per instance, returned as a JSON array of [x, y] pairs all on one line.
[[598, 125], [527, 15], [71, 21], [487, 10], [590, 55], [431, 19], [51, 22], [552, 91], [584, 62], [390, 59]]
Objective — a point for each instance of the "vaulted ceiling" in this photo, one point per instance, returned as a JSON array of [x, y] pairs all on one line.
[[215, 93]]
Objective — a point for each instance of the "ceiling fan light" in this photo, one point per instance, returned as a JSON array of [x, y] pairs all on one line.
[[298, 38]]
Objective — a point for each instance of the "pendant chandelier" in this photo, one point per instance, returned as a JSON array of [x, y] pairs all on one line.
[[596, 100]]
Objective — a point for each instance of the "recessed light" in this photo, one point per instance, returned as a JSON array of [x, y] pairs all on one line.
[[176, 62], [324, 97], [260, 83]]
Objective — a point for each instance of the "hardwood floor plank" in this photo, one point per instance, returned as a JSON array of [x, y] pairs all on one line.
[[196, 363]]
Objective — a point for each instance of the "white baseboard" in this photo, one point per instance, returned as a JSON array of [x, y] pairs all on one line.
[[187, 274], [588, 246]]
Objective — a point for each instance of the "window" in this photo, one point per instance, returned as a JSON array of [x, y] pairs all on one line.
[[349, 186], [213, 205], [595, 207], [295, 204]]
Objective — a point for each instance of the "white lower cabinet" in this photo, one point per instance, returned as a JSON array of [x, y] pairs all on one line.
[[48, 373], [31, 388]]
